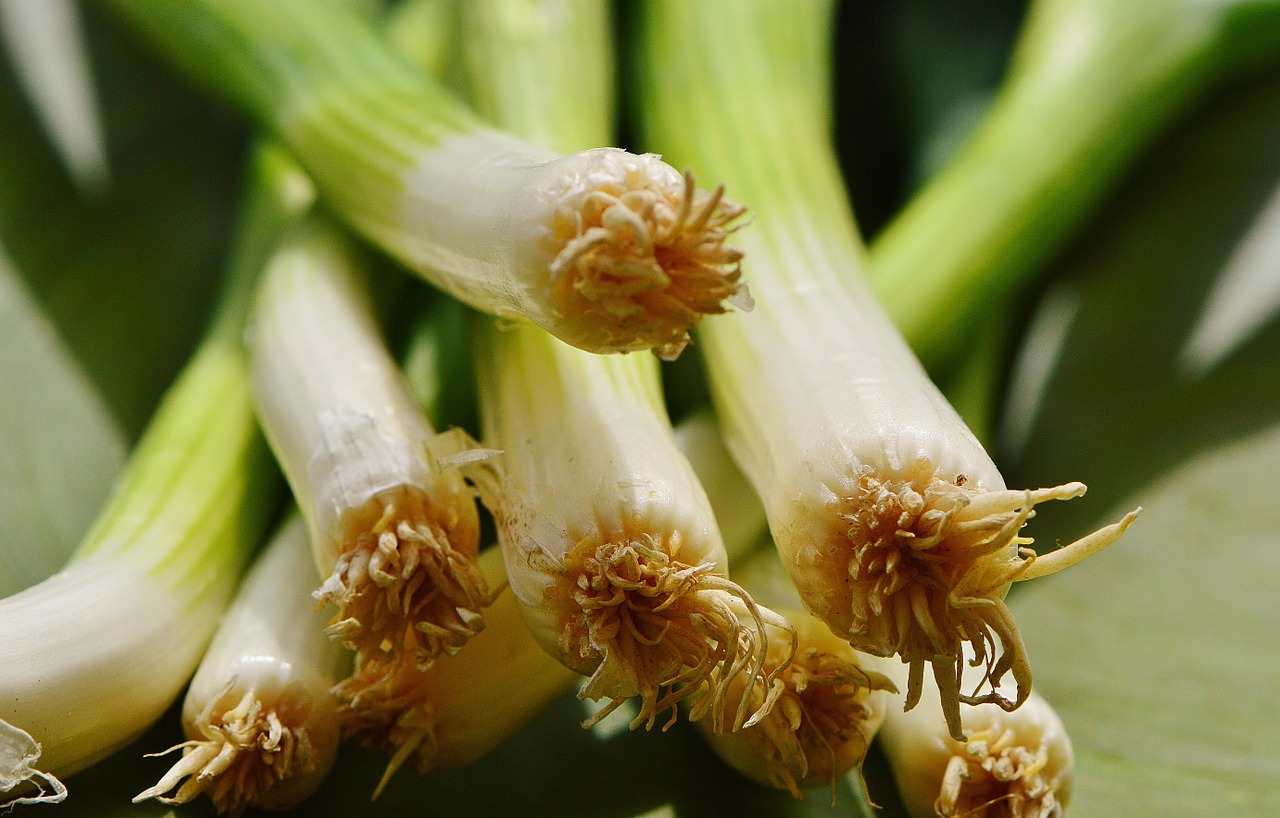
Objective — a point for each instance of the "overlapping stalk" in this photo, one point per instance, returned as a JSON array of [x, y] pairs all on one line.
[[894, 523], [610, 251], [120, 630]]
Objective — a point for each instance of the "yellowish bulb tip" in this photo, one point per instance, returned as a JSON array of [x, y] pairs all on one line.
[[644, 624], [927, 560], [641, 254], [246, 755], [407, 586]]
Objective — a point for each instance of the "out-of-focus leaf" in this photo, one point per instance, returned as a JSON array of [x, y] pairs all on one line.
[[125, 277], [1121, 408], [1160, 653], [49, 414], [44, 40]]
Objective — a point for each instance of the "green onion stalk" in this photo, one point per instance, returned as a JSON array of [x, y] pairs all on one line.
[[607, 250], [1092, 84], [611, 545], [96, 653], [894, 523]]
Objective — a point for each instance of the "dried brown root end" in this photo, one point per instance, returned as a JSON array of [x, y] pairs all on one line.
[[389, 710], [930, 560], [994, 775], [660, 629], [408, 586], [245, 751], [641, 255]]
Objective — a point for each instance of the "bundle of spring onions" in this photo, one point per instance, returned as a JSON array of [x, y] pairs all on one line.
[[779, 568]]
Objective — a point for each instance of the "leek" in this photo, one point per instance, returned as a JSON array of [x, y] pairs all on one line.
[[893, 521], [394, 529], [120, 630], [260, 719], [828, 702], [610, 251], [610, 542]]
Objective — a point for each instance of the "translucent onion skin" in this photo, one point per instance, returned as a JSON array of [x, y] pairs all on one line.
[[894, 523]]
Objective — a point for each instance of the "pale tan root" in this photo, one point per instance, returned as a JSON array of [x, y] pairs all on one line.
[[407, 585], [660, 629], [995, 776], [930, 561], [389, 709], [244, 751], [644, 262], [818, 726]]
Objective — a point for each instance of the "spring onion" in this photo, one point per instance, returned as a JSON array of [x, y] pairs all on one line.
[[97, 652], [395, 533], [466, 705], [894, 523], [610, 542], [609, 251], [1013, 764], [260, 719]]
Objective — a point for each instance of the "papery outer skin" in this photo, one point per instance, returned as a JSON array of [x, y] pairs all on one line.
[[604, 463], [121, 653], [271, 642], [918, 746], [335, 407]]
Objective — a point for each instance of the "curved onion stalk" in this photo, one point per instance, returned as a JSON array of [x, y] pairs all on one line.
[[1091, 85], [610, 251], [741, 518], [1012, 765], [395, 532], [260, 719], [893, 521], [610, 542], [463, 706], [96, 653]]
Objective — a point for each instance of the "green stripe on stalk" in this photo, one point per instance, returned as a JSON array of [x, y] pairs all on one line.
[[96, 653], [1093, 83]]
